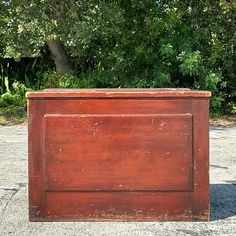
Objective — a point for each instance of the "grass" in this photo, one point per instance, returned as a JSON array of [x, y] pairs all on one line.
[[12, 115]]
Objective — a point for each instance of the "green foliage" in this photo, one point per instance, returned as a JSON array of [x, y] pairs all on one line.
[[14, 98], [124, 44], [231, 108], [12, 101], [190, 63]]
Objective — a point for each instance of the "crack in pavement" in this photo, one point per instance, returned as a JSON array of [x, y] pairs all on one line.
[[220, 167], [14, 192]]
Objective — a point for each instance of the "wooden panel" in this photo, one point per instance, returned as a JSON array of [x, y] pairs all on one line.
[[35, 159], [111, 93], [201, 196], [118, 152], [118, 106], [119, 206]]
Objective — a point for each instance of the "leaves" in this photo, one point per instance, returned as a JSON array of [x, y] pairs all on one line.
[[191, 63], [128, 43]]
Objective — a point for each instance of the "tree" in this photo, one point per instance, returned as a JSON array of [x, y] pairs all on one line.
[[28, 25], [129, 43]]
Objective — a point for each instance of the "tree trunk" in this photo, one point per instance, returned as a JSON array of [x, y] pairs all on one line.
[[61, 58]]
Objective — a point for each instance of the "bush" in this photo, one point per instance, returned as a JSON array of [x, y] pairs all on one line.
[[15, 97]]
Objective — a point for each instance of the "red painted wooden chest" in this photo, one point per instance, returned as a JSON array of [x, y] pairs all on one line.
[[118, 154]]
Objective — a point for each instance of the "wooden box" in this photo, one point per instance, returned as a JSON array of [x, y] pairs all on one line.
[[118, 154]]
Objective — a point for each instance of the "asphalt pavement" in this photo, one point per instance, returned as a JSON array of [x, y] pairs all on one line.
[[14, 200]]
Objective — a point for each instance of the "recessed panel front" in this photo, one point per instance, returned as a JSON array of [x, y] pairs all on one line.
[[115, 152]]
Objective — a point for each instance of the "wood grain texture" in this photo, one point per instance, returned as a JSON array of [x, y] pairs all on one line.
[[125, 93], [35, 159], [118, 106], [201, 201], [131, 154], [121, 206], [118, 152]]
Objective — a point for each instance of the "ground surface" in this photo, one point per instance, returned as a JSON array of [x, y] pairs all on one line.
[[13, 194], [225, 122]]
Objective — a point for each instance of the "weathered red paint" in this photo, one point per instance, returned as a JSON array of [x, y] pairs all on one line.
[[118, 154]]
